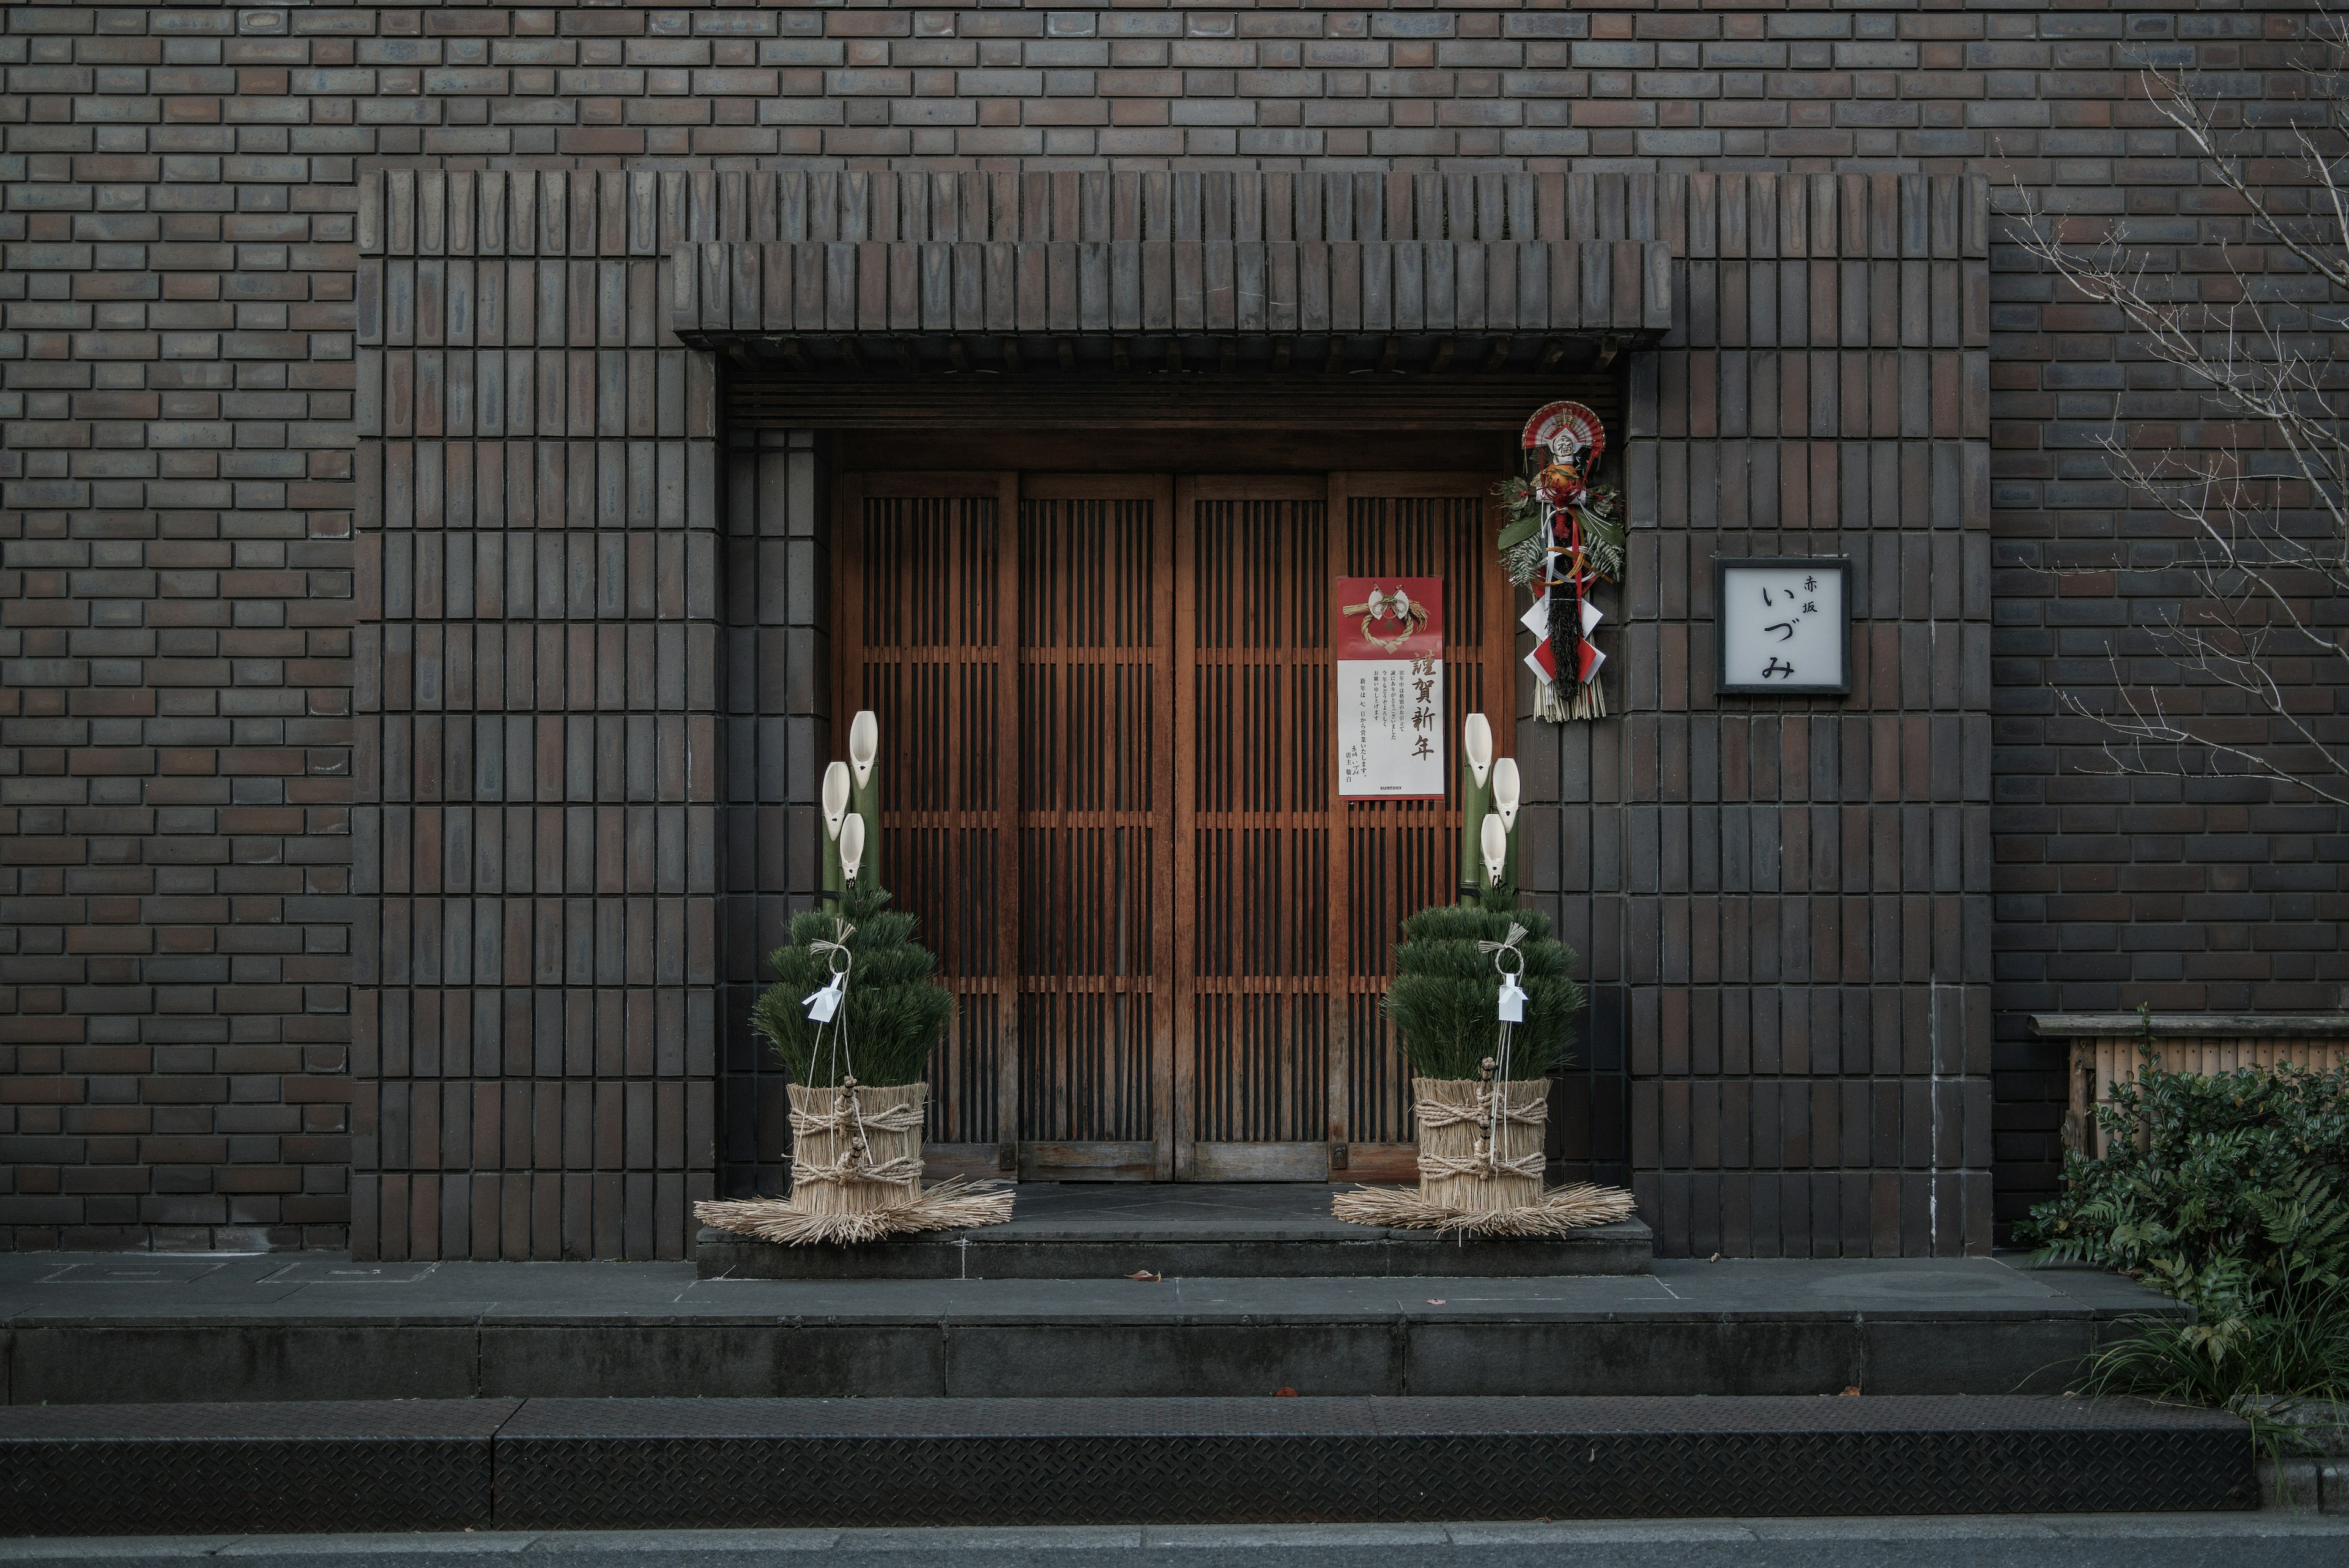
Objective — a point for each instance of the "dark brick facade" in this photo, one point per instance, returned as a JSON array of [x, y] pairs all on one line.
[[424, 947]]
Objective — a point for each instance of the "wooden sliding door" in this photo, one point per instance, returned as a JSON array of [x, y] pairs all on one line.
[[1095, 811], [1107, 702]]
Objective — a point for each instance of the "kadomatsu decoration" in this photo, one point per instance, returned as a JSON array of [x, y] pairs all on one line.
[[1482, 999], [854, 1013], [1563, 537]]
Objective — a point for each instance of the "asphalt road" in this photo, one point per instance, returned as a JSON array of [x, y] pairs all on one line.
[[2273, 1539]]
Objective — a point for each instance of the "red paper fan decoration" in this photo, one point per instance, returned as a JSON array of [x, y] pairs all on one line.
[[1577, 424]]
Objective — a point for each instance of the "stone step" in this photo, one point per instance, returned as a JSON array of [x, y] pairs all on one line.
[[271, 1328], [1063, 1230], [553, 1464]]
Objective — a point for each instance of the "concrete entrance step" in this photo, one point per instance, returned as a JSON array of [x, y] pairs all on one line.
[[85, 1329], [546, 1464], [1063, 1230]]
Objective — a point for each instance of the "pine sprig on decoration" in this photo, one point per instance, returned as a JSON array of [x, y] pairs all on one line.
[[1444, 998], [896, 1009], [1525, 550], [1602, 531]]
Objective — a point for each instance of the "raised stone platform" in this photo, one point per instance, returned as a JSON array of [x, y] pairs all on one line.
[[89, 1328], [544, 1464], [1232, 1231]]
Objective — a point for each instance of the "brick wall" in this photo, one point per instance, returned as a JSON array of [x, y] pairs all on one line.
[[1784, 905], [535, 908], [178, 271], [778, 738]]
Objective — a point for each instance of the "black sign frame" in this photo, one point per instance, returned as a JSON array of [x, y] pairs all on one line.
[[1722, 685]]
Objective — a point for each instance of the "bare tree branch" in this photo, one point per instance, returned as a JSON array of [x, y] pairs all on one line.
[[2262, 504]]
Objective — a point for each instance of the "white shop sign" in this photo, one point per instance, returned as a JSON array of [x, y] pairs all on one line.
[[1388, 642], [1785, 625]]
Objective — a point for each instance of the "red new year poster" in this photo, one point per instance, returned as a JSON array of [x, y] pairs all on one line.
[[1389, 641]]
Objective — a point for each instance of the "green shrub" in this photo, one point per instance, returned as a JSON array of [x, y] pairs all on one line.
[[896, 1009], [2280, 1329], [2189, 1211], [1444, 998], [2229, 1192]]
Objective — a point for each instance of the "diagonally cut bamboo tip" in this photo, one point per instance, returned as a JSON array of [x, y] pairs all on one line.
[[835, 798], [852, 846], [1494, 840], [1507, 789], [864, 743]]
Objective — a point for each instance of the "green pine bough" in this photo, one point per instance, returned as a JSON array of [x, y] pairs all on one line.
[[895, 1010], [1524, 543], [1444, 999]]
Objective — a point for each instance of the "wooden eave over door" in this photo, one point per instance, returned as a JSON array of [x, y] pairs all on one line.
[[834, 311], [1110, 791]]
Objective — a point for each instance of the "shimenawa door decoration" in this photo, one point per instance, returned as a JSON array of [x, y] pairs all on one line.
[[1167, 933], [1563, 537]]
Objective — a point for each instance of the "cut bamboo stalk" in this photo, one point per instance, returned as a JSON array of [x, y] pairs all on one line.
[[864, 784], [835, 815], [1508, 794], [851, 848], [1475, 800]]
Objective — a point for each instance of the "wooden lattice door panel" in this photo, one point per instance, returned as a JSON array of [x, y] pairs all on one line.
[[1094, 806], [1255, 777], [1401, 855], [1108, 705], [1291, 899], [927, 621]]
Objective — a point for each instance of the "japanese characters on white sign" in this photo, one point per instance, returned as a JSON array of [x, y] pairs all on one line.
[[1389, 641], [1785, 625]]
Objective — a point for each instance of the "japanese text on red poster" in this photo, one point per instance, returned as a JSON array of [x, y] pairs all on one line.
[[1390, 646]]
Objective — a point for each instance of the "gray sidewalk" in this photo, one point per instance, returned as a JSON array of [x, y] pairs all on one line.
[[2273, 1539]]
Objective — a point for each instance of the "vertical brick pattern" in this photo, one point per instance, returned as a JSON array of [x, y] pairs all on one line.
[[778, 712], [1786, 903], [539, 751]]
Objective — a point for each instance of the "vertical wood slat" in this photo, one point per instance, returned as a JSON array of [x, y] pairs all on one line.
[[1340, 1109], [1092, 820], [1166, 960], [1183, 1038], [1007, 806]]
